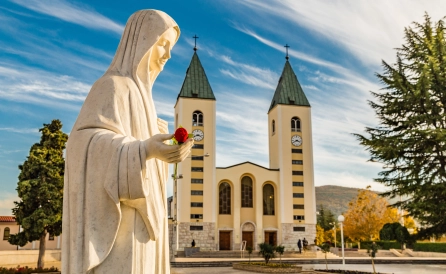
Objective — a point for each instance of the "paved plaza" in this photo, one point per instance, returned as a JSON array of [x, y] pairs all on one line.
[[382, 268]]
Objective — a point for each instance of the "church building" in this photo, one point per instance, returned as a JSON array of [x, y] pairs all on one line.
[[223, 208]]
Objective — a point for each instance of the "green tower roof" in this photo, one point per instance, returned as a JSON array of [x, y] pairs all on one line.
[[289, 91], [196, 84]]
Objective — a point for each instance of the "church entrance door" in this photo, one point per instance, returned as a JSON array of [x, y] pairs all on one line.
[[271, 237], [247, 236], [225, 240]]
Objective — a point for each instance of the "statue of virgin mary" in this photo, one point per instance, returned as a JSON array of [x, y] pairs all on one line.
[[114, 211]]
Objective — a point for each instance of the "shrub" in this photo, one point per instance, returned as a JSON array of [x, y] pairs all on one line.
[[395, 231], [26, 270], [249, 249], [267, 251], [430, 247], [325, 248], [372, 249], [386, 245], [280, 249]]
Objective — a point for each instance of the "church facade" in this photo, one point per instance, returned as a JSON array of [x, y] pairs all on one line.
[[224, 208]]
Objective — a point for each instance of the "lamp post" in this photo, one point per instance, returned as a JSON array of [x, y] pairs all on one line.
[[341, 220], [175, 219], [175, 225]]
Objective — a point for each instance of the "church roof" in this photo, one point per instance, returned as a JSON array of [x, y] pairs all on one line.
[[7, 219], [289, 91], [196, 84], [249, 163]]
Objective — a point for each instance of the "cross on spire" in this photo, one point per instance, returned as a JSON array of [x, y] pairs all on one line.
[[195, 37], [286, 46]]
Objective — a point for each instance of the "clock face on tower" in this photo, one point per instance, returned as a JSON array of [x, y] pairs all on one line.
[[198, 135], [296, 140]]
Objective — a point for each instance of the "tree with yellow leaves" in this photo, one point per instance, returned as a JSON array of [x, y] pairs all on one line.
[[319, 235], [409, 223], [366, 215]]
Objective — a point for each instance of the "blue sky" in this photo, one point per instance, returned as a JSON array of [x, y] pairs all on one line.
[[52, 51]]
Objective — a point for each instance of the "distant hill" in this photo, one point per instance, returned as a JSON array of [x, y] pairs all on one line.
[[336, 198]]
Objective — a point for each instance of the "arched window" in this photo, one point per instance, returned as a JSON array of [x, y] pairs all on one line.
[[224, 198], [273, 125], [246, 191], [6, 233], [197, 118], [295, 124], [268, 200]]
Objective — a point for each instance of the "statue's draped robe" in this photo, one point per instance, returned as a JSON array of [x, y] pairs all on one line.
[[114, 216]]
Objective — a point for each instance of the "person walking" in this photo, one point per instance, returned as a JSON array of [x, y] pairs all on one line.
[[299, 245], [305, 244]]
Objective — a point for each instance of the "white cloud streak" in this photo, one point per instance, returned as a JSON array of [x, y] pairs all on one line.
[[369, 30], [68, 12], [19, 130], [297, 54], [36, 86], [241, 120], [249, 74]]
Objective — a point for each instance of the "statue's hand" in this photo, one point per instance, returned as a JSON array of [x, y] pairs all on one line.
[[155, 148], [163, 126]]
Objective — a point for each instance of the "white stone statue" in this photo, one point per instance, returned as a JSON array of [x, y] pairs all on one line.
[[114, 212]]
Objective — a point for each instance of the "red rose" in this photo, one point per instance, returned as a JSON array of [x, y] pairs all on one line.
[[181, 135]]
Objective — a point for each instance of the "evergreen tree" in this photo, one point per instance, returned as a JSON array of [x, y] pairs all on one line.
[[411, 140], [395, 232], [325, 218], [40, 189]]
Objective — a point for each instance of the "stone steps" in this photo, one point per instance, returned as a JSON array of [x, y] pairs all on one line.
[[229, 263], [237, 254], [363, 253], [313, 261], [201, 264]]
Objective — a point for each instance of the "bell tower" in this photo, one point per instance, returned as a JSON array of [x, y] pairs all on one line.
[[194, 197], [291, 151]]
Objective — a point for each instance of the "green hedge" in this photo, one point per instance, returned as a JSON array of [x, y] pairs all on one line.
[[430, 247], [386, 245]]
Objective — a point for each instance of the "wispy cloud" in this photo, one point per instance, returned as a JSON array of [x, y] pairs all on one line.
[[18, 130], [368, 30], [249, 74], [245, 126], [347, 75], [297, 54], [37, 86], [348, 179], [71, 13], [52, 52]]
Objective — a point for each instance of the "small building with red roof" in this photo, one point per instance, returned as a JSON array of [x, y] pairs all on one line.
[[8, 226]]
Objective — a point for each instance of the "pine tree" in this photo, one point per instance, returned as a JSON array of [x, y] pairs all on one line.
[[325, 218], [411, 140], [40, 189]]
